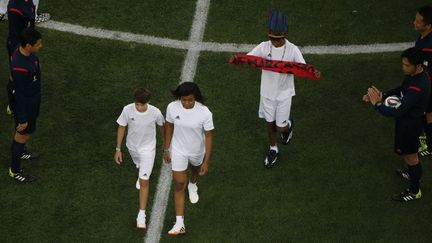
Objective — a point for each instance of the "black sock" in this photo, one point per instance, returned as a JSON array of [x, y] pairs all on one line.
[[428, 131], [415, 172], [17, 150]]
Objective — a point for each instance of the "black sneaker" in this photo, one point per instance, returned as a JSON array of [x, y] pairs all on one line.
[[29, 155], [406, 196], [21, 176], [286, 136], [404, 173], [271, 158]]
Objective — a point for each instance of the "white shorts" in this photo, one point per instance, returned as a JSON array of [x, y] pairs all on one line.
[[275, 110], [144, 163], [180, 162]]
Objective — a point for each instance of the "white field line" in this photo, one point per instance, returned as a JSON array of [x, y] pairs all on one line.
[[194, 45], [189, 69]]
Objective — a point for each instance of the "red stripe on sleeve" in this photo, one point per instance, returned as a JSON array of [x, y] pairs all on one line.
[[20, 70], [16, 11], [414, 88]]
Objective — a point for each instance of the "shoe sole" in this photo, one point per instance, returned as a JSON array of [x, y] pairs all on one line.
[[193, 201], [190, 198], [140, 226], [177, 233]]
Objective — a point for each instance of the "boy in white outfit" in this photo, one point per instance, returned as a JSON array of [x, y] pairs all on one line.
[[141, 119]]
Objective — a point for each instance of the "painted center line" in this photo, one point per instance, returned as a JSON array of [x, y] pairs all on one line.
[[188, 73]]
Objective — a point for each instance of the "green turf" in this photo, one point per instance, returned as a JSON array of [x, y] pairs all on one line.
[[151, 17], [332, 183], [327, 22]]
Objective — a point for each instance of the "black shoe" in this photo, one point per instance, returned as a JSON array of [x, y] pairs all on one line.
[[406, 196], [29, 155], [21, 176], [271, 158], [404, 173], [286, 136]]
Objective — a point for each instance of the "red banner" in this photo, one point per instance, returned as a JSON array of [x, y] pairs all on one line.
[[298, 69]]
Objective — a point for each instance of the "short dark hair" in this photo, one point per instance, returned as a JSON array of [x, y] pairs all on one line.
[[413, 55], [426, 13], [29, 36], [141, 95], [186, 89]]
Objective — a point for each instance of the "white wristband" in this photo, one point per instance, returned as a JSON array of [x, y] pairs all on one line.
[[118, 149]]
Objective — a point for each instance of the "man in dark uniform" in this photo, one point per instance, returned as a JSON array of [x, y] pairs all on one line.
[[21, 14], [423, 25], [414, 96], [26, 81]]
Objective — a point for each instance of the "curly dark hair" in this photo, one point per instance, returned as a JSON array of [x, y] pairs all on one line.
[[188, 88]]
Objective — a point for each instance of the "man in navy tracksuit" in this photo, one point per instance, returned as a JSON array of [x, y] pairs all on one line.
[[423, 25], [21, 14], [414, 96], [26, 83]]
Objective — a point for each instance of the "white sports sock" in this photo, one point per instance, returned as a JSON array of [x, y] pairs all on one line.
[[36, 3], [274, 148], [179, 219], [142, 212], [3, 6]]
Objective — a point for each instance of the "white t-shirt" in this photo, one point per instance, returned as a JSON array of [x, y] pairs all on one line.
[[141, 136], [277, 86], [189, 126]]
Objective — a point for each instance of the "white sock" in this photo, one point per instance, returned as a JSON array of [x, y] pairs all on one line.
[[274, 148], [142, 212], [3, 6], [179, 219], [36, 3]]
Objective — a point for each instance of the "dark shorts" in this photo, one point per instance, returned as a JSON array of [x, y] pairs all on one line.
[[31, 126], [407, 132], [32, 112]]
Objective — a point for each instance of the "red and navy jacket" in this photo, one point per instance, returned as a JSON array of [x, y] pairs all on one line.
[[21, 14], [414, 92], [425, 45], [26, 79]]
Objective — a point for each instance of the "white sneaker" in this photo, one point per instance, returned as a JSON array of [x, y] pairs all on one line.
[[193, 193], [141, 221], [137, 184], [177, 229], [42, 17]]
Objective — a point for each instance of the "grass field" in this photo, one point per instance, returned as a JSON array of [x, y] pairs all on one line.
[[332, 183]]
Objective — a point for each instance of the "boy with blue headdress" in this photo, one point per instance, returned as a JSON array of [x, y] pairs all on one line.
[[277, 89]]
